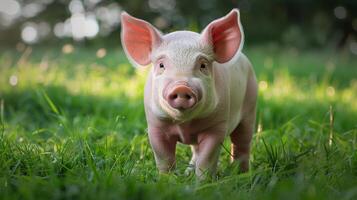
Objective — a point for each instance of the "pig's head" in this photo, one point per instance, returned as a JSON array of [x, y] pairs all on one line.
[[183, 69]]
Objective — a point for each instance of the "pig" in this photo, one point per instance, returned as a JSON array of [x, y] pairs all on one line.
[[200, 89]]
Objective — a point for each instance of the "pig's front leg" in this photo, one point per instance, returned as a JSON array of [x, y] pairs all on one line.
[[208, 152], [192, 165], [164, 150]]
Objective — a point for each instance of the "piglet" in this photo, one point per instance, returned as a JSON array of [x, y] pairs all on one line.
[[200, 89]]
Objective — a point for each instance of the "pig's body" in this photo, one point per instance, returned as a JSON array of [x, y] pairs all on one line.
[[230, 110], [201, 89]]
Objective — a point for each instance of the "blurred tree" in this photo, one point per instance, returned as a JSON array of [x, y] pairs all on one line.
[[299, 23]]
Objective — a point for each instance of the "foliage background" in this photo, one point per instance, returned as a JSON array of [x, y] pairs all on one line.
[[72, 122], [298, 23]]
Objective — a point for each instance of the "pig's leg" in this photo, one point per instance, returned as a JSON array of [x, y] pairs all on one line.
[[192, 164], [208, 152], [164, 150], [242, 135], [240, 147]]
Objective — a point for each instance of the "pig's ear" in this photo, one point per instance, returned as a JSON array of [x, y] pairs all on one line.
[[138, 39], [225, 35]]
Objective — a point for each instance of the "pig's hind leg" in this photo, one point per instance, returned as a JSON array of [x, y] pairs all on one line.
[[240, 148], [242, 135]]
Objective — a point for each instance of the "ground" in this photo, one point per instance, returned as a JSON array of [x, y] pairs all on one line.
[[73, 126]]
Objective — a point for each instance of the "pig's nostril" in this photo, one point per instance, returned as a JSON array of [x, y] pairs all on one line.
[[174, 96], [188, 96]]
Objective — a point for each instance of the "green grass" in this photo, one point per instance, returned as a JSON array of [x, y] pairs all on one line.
[[73, 126]]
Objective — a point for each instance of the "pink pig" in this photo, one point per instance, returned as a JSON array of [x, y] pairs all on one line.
[[200, 89]]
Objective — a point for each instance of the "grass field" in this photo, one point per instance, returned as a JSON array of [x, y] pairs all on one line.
[[73, 127]]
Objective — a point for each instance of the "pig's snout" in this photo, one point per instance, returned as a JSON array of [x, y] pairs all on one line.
[[181, 97]]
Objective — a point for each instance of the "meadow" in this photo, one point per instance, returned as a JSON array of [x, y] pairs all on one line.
[[73, 127]]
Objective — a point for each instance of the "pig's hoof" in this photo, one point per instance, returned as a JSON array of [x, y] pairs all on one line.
[[189, 170], [243, 165]]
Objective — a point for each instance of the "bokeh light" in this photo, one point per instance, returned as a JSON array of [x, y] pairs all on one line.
[[76, 6], [13, 80], [9, 7], [91, 27], [9, 12], [330, 91], [32, 9], [353, 47], [78, 26], [162, 4], [109, 17], [82, 26], [84, 20], [101, 53], [263, 85], [67, 48], [29, 33], [340, 12]]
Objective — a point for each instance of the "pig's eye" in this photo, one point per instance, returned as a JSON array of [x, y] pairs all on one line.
[[162, 66], [204, 68]]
